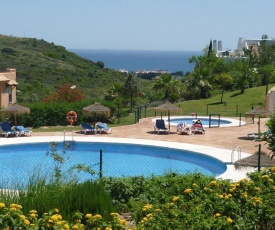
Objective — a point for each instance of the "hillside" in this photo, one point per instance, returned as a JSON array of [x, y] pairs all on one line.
[[38, 61]]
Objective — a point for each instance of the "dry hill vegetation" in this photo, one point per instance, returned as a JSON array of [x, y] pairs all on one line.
[[41, 64]]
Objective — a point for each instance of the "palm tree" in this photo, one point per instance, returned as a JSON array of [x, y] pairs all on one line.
[[168, 85]]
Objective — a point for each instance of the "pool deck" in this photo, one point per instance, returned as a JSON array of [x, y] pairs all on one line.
[[216, 142]]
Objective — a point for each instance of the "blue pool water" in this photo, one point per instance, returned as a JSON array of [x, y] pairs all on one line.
[[205, 121], [19, 162]]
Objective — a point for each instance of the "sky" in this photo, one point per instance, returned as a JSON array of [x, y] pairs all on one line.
[[174, 25]]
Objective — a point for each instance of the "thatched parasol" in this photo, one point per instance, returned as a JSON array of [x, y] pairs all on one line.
[[168, 106], [15, 109], [257, 112], [96, 108]]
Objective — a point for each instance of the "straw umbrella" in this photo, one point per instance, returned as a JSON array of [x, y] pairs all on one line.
[[15, 109], [96, 109], [168, 106], [257, 112]]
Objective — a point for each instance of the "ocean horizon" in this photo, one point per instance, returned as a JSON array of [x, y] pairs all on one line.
[[140, 60]]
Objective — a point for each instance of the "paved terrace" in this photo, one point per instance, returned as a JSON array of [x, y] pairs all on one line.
[[217, 142]]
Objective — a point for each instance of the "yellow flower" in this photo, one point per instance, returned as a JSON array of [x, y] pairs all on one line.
[[34, 211], [273, 169], [123, 222], [175, 198], [13, 209], [147, 207], [75, 227], [12, 205], [88, 216], [2, 205], [56, 210], [271, 180], [54, 218], [265, 176], [22, 217], [26, 222], [108, 228], [149, 215], [221, 196], [59, 216], [213, 183], [18, 206], [205, 189], [187, 191], [158, 210], [97, 216], [229, 220], [257, 189], [66, 226], [195, 185], [58, 223], [114, 214], [217, 215]]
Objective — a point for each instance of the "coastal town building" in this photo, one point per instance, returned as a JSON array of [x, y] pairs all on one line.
[[242, 45], [7, 87]]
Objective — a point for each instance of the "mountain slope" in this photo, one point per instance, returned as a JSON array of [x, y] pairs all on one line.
[[37, 61]]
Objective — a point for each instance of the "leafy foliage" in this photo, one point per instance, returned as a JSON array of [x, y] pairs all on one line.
[[51, 65]]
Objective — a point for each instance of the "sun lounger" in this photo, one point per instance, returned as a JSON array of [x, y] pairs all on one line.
[[103, 127], [160, 126], [182, 128], [22, 130], [197, 127], [85, 127], [7, 130]]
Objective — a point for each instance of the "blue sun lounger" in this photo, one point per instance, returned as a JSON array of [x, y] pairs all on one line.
[[85, 127], [160, 126], [103, 127], [6, 129], [22, 130]]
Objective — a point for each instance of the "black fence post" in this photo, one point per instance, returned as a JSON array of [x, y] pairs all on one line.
[[118, 116], [206, 110], [240, 122], [259, 158], [145, 111], [100, 163]]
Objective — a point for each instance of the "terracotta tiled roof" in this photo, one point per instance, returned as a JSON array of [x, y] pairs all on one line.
[[3, 78]]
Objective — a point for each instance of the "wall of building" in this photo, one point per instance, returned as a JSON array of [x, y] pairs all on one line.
[[8, 92]]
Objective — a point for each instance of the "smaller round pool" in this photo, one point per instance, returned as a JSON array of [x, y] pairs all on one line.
[[215, 122]]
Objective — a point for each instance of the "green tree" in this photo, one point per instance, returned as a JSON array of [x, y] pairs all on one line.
[[132, 90], [223, 80], [168, 86]]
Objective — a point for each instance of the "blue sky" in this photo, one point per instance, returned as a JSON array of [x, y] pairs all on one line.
[[183, 25]]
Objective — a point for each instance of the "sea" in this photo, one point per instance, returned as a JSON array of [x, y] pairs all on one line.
[[141, 60]]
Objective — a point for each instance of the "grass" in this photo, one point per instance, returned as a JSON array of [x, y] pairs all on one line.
[[234, 105]]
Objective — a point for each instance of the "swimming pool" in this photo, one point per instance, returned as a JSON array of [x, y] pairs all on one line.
[[119, 159], [224, 122]]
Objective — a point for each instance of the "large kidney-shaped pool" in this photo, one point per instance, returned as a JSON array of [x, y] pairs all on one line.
[[21, 161]]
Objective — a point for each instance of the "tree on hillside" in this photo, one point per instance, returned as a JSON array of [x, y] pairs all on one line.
[[223, 80], [168, 86], [265, 62], [202, 76], [67, 92], [132, 90]]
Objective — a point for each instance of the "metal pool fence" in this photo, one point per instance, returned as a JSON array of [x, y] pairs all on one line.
[[18, 166]]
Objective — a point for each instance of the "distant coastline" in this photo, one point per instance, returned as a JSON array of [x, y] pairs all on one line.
[[141, 60]]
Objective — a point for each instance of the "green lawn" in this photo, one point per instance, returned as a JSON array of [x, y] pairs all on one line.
[[234, 105]]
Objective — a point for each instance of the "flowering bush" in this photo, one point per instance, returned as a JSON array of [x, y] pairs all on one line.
[[12, 217], [220, 204]]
